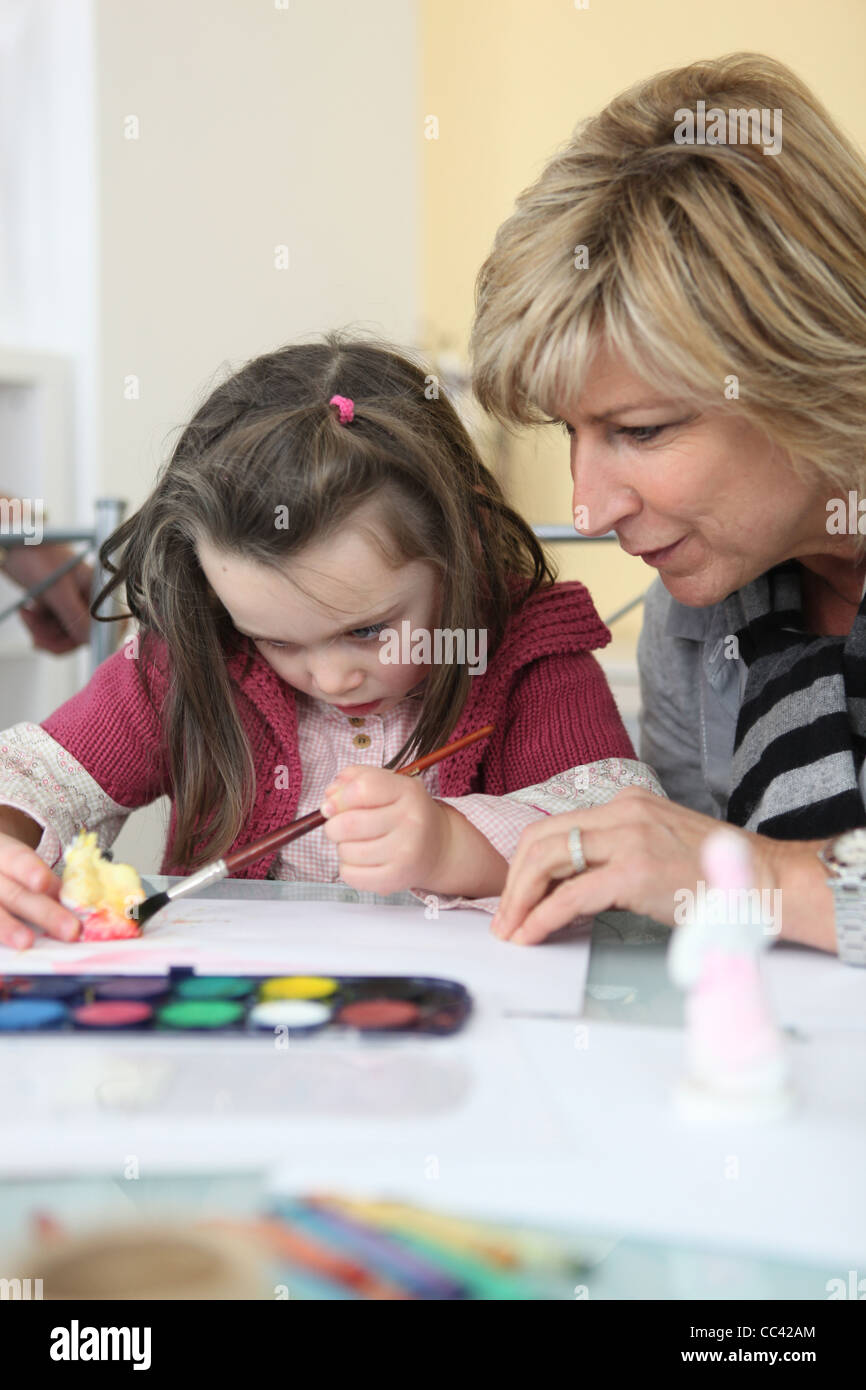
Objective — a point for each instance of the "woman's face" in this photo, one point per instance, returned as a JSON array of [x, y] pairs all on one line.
[[717, 502]]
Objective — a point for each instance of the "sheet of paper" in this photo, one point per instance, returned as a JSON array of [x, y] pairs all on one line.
[[526, 1119], [312, 937], [813, 990], [617, 1158]]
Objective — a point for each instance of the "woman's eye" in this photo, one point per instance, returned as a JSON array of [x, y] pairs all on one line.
[[363, 634], [641, 434]]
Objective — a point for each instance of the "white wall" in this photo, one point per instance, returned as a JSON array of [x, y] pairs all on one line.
[[48, 304], [259, 126]]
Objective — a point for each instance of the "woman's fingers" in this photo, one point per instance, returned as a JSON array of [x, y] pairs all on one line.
[[582, 896], [642, 838], [543, 859]]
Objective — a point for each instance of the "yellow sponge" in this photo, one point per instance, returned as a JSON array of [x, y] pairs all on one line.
[[99, 892]]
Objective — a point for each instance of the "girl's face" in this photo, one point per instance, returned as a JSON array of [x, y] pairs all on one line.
[[704, 498], [317, 619]]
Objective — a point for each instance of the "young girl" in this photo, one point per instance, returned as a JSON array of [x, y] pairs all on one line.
[[320, 515]]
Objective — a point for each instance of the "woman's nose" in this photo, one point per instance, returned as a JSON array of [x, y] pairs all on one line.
[[600, 499]]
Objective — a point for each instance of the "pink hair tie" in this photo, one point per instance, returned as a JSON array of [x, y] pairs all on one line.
[[346, 407]]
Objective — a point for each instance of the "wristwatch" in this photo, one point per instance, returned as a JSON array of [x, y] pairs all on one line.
[[845, 857]]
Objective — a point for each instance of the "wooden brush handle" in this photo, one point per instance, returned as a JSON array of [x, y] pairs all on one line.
[[259, 848]]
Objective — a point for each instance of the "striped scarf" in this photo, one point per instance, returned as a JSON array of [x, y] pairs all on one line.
[[801, 731]]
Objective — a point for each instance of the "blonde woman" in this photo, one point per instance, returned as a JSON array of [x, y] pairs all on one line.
[[684, 288]]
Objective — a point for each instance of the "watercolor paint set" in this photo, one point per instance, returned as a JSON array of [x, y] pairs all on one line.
[[187, 1002]]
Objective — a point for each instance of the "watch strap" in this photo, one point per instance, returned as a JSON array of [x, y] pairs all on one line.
[[849, 901]]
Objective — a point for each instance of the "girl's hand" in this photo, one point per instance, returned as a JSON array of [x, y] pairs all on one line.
[[642, 851], [29, 893], [390, 833]]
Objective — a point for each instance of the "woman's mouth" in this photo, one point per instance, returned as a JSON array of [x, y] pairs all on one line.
[[660, 556]]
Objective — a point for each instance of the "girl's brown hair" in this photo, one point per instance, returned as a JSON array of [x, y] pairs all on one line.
[[265, 445]]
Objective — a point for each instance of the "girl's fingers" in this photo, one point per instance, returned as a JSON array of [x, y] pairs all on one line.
[[23, 865], [361, 786], [371, 880], [38, 910], [14, 934], [349, 826], [370, 854]]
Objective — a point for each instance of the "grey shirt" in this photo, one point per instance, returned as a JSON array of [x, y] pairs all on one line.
[[691, 691], [690, 697]]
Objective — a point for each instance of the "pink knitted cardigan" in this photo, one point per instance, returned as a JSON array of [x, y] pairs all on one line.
[[545, 693]]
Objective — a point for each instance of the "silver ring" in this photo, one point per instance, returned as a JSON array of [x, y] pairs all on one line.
[[575, 850]]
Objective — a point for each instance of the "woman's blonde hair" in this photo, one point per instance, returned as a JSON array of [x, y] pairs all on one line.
[[702, 263]]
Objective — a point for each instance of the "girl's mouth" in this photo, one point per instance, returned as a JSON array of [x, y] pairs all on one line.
[[368, 708]]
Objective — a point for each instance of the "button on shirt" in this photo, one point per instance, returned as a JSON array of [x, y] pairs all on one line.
[[329, 740]]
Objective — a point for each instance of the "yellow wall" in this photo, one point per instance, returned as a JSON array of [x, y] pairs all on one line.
[[508, 80]]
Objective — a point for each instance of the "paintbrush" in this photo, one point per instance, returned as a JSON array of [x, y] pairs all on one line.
[[239, 858]]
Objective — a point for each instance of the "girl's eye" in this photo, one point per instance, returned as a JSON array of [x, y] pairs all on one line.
[[363, 634], [641, 434]]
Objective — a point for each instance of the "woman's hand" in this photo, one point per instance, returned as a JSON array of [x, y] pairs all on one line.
[[390, 833], [641, 852], [29, 894]]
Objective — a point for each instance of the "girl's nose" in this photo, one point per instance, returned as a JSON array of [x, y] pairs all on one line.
[[334, 677]]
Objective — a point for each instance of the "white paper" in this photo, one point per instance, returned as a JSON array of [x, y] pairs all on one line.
[[314, 937], [812, 990], [612, 1154]]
